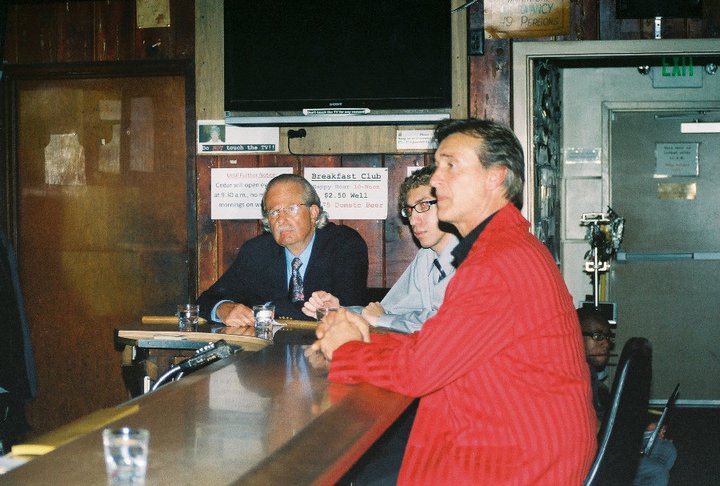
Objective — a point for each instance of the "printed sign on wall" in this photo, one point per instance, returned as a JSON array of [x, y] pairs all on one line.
[[214, 137], [236, 193], [526, 18], [351, 192], [677, 159]]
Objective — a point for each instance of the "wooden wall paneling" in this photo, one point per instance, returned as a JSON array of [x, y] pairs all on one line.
[[113, 27], [584, 22], [696, 28], [490, 82], [372, 231], [231, 234], [153, 43], [10, 41], [206, 227], [36, 35], [209, 69], [75, 42], [182, 26], [400, 247]]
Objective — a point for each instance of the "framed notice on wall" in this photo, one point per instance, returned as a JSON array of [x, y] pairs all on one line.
[[523, 18], [351, 192], [215, 137]]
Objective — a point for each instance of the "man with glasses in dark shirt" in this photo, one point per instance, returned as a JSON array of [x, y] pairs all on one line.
[[299, 253], [654, 468], [598, 341]]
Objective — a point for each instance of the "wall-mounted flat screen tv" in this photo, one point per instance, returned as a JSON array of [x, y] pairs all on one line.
[[290, 62], [648, 9]]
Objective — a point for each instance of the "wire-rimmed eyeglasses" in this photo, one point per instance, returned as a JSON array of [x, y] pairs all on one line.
[[599, 336], [292, 210], [421, 207]]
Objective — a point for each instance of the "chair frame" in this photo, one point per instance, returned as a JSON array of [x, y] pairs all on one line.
[[621, 433]]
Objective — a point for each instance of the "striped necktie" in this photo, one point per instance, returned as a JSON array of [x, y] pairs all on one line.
[[296, 283], [440, 270]]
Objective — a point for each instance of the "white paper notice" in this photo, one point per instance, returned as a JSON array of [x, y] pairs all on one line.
[[351, 192], [237, 193], [414, 140], [214, 137], [677, 159]]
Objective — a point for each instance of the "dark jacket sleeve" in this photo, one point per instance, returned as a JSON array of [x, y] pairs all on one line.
[[339, 265], [254, 277]]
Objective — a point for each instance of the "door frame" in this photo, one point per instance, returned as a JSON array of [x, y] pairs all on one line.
[[619, 53]]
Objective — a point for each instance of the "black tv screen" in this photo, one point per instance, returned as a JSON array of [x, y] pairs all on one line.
[[648, 9], [336, 56]]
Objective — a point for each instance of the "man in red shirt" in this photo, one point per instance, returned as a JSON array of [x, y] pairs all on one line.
[[500, 369]]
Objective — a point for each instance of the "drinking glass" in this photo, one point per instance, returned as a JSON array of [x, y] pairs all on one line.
[[126, 453]]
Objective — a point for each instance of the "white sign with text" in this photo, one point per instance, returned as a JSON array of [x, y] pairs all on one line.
[[351, 192], [236, 193], [214, 137]]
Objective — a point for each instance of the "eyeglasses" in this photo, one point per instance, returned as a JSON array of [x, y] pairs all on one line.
[[599, 336], [292, 210], [421, 207]]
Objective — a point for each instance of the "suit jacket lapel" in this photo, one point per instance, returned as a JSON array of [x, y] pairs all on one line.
[[316, 256]]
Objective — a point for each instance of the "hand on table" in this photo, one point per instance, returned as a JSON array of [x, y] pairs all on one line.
[[316, 359], [372, 311], [339, 328], [319, 299], [235, 315]]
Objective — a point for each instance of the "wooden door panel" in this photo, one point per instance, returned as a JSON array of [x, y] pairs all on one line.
[[102, 227]]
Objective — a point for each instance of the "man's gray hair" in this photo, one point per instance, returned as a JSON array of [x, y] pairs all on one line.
[[497, 146], [310, 197]]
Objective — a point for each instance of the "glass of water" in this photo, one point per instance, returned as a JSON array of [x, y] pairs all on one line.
[[264, 320], [126, 453]]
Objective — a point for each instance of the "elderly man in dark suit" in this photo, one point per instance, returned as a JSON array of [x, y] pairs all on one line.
[[300, 253]]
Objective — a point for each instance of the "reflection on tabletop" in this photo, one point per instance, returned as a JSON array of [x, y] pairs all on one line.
[[278, 324]]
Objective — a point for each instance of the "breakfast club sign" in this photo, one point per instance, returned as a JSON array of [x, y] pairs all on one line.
[[351, 192], [526, 18]]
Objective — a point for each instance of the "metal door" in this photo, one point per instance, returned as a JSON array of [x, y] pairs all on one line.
[[666, 282]]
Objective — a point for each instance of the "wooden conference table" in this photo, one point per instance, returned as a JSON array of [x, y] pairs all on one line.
[[255, 418]]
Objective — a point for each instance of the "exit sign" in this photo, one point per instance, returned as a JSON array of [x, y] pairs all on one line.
[[677, 72]]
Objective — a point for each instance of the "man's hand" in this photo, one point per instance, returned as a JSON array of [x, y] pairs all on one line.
[[316, 359], [235, 315], [319, 299], [372, 311], [339, 328]]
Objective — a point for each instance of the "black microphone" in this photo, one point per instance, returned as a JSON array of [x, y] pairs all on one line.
[[206, 355]]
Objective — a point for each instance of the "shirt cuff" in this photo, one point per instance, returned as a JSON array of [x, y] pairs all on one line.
[[213, 313]]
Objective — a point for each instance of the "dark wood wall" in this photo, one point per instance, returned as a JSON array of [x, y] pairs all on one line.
[[94, 31], [55, 33]]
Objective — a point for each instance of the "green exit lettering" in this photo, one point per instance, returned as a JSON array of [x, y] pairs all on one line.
[[680, 66]]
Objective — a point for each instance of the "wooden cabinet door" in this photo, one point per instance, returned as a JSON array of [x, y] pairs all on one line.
[[103, 209]]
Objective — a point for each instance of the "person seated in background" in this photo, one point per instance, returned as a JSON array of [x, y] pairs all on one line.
[[420, 289], [654, 468], [300, 252], [598, 341]]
